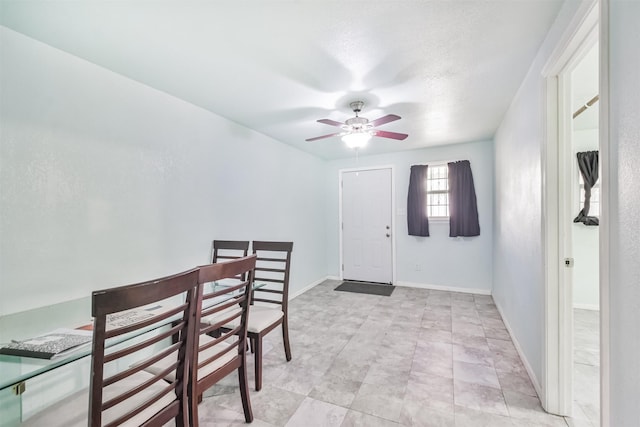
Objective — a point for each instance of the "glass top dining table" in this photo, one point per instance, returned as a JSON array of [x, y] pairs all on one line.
[[31, 323], [16, 370]]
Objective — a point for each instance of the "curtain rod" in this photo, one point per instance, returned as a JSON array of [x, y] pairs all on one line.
[[585, 106], [437, 162]]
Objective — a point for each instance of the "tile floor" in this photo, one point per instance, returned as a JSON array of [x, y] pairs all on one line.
[[416, 358], [586, 369]]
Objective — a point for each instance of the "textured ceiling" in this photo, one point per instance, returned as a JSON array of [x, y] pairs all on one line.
[[449, 68]]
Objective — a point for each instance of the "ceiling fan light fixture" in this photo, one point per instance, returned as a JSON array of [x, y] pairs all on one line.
[[357, 131], [356, 139]]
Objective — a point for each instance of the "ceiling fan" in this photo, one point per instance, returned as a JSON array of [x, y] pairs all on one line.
[[357, 131]]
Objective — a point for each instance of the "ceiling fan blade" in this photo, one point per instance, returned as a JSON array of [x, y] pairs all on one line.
[[386, 119], [323, 136], [392, 135], [330, 122]]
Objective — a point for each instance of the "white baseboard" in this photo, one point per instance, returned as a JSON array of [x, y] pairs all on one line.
[[333, 278], [523, 357], [444, 288], [306, 288], [594, 307]]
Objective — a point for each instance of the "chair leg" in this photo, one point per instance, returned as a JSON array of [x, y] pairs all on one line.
[[179, 419], [285, 339], [244, 392], [257, 344], [193, 411]]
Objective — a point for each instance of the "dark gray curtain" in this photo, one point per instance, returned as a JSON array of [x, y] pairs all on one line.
[[588, 164], [417, 220], [463, 206]]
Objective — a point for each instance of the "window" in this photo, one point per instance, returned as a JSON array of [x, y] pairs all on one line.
[[438, 191], [594, 204]]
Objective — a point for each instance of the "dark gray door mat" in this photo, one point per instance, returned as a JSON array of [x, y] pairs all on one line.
[[366, 288]]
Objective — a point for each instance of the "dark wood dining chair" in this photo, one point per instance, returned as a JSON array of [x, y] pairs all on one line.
[[218, 357], [224, 250], [228, 250], [131, 395], [273, 264]]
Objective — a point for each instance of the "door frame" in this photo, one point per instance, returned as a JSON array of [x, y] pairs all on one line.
[[393, 216], [557, 398]]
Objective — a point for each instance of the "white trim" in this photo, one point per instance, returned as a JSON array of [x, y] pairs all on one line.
[[439, 220], [333, 278], [393, 215], [607, 193], [306, 288], [521, 353], [583, 23], [340, 238], [594, 307], [364, 168], [476, 291], [393, 225], [549, 397], [565, 213]]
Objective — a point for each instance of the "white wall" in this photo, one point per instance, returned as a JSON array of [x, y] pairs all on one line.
[[624, 220], [518, 288], [106, 181], [586, 279], [456, 263]]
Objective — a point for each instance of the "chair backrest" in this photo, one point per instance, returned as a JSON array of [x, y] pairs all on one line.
[[218, 357], [229, 250], [120, 392], [272, 267]]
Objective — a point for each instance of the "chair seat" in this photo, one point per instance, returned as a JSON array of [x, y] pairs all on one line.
[[260, 318], [73, 411], [205, 354]]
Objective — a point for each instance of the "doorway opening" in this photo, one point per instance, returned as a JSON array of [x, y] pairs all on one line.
[[572, 250], [584, 243]]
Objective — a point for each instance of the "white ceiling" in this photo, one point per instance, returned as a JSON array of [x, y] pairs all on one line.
[[449, 68]]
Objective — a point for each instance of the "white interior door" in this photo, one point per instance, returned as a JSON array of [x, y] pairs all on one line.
[[366, 226]]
